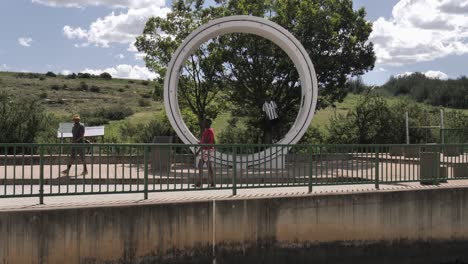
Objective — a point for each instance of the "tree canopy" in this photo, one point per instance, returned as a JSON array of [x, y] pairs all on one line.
[[245, 69], [447, 93]]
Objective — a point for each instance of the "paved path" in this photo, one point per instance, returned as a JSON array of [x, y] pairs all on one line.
[[61, 202], [362, 169]]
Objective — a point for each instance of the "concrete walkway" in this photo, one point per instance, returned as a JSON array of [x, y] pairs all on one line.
[[106, 200]]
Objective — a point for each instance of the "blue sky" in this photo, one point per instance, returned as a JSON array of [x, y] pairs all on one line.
[[429, 36]]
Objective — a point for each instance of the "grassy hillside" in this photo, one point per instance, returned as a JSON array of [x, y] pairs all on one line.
[[64, 96]]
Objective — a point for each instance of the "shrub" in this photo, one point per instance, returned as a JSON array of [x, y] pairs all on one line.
[[116, 112], [370, 122], [121, 90], [84, 75], [373, 121], [127, 86], [50, 74], [55, 87], [43, 95], [83, 86], [105, 76], [313, 135], [22, 118], [145, 82], [131, 81], [42, 78], [95, 89], [71, 76], [144, 103], [158, 91], [28, 75], [110, 113], [96, 121], [146, 95], [144, 133]]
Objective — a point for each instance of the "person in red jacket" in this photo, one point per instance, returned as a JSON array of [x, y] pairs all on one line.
[[208, 137]]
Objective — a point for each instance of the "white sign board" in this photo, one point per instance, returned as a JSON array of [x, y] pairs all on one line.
[[66, 132], [65, 127]]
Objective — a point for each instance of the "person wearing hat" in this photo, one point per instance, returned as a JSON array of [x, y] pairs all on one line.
[[78, 132]]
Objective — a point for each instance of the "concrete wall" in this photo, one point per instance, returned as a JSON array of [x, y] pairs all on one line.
[[418, 226]]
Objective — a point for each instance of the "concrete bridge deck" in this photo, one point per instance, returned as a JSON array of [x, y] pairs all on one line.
[[106, 200]]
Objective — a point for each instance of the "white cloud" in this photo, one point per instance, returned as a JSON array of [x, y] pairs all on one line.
[[3, 67], [421, 30], [78, 33], [82, 45], [436, 75], [403, 74], [107, 3], [122, 27], [125, 71], [139, 56], [65, 72], [120, 56], [25, 42], [132, 47], [429, 74]]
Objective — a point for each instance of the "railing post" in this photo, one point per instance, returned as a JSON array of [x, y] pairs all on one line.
[[145, 157], [377, 167], [234, 171], [41, 174], [310, 167]]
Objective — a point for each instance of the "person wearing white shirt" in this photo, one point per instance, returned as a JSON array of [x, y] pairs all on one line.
[[269, 107]]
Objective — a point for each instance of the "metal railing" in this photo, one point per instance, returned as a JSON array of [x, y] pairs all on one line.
[[36, 170]]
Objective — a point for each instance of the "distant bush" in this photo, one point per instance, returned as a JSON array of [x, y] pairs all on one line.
[[64, 86], [41, 78], [127, 86], [107, 114], [83, 86], [28, 75], [145, 82], [43, 95], [105, 76], [55, 87], [146, 95], [116, 112], [84, 75], [121, 90], [144, 103], [95, 89], [131, 81], [71, 76], [158, 91], [96, 121], [50, 74]]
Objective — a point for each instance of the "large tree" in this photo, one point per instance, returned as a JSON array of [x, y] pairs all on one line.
[[252, 68], [200, 83]]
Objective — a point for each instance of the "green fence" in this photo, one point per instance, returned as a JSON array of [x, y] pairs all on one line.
[[35, 170]]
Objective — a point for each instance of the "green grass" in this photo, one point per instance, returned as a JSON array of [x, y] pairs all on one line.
[[64, 96], [322, 117]]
